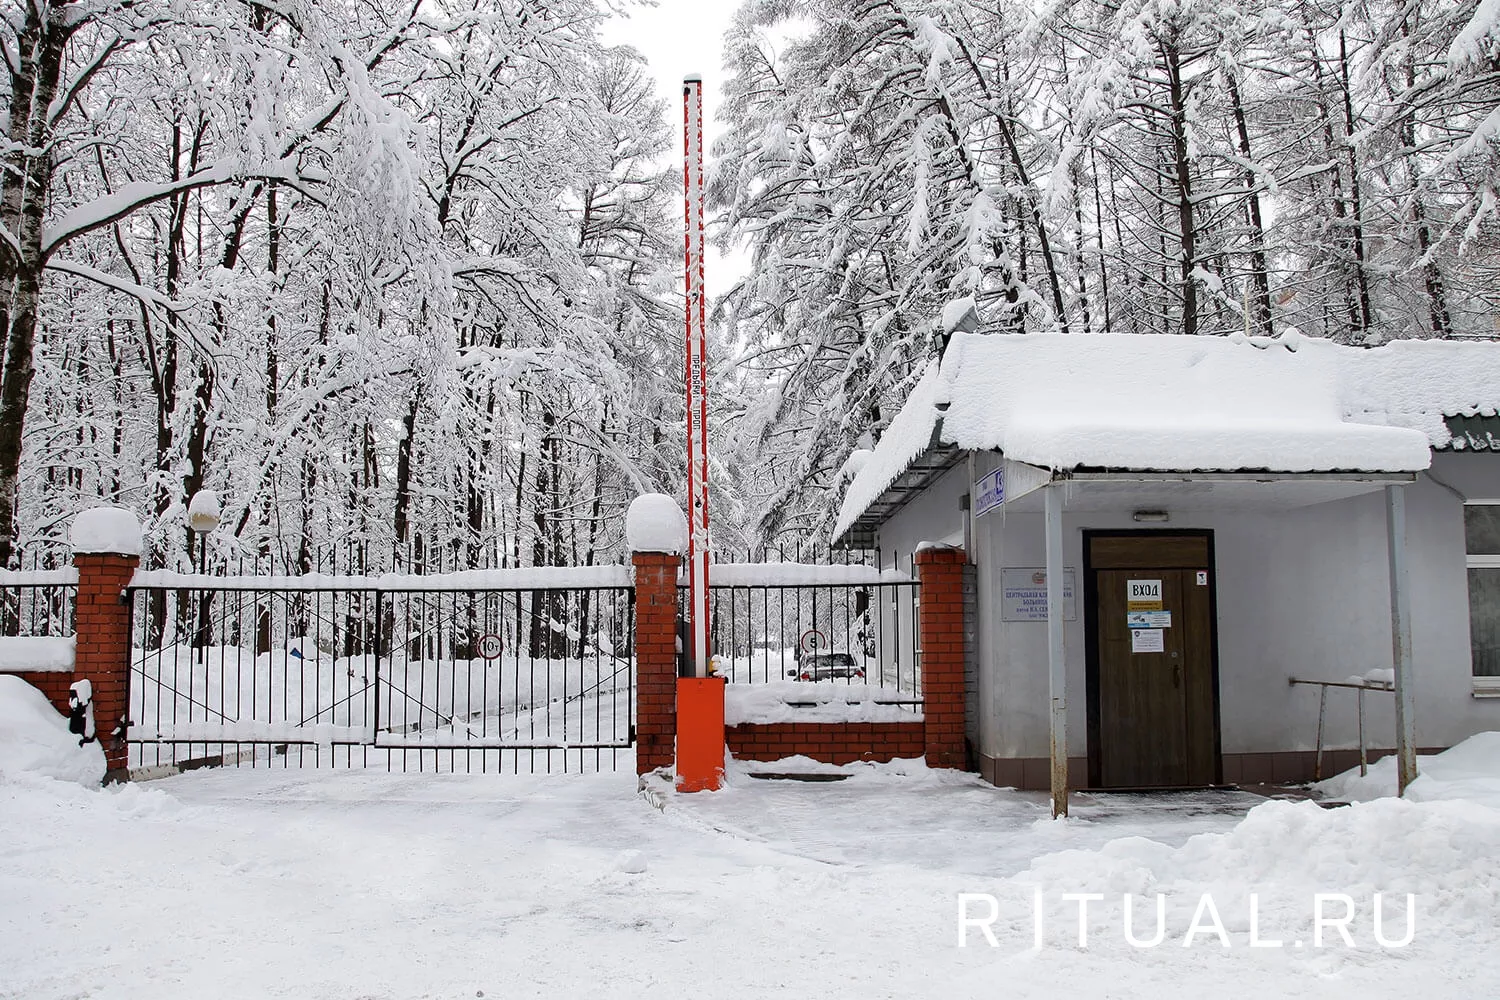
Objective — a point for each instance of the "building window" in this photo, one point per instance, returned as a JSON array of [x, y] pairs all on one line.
[[1482, 545]]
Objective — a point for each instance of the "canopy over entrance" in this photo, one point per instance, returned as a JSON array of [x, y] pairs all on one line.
[[1284, 409]]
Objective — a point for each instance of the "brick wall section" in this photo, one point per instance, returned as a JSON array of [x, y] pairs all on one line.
[[102, 624], [830, 742], [52, 683], [941, 573], [656, 660]]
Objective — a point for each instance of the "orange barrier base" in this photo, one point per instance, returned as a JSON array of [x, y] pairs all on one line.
[[700, 734]]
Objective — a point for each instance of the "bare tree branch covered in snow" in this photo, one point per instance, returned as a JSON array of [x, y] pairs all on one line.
[[398, 273]]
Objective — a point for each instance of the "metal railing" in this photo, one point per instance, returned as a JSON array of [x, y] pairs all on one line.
[[1360, 689], [441, 674]]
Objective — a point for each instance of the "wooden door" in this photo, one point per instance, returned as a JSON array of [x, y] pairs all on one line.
[[1152, 700]]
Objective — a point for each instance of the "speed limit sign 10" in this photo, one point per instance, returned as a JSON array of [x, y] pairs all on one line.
[[490, 647]]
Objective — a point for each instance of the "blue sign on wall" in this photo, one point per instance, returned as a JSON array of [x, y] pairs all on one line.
[[989, 492]]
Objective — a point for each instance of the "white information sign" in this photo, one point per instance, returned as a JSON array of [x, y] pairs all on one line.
[[1143, 595], [1147, 640], [1148, 619], [1023, 595]]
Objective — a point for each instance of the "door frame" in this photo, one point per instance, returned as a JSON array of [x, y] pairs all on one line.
[[1091, 636]]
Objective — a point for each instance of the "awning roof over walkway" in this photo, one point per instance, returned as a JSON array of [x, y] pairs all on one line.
[[1289, 408]]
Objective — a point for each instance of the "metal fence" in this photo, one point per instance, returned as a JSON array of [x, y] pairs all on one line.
[[849, 622], [37, 602], [434, 675]]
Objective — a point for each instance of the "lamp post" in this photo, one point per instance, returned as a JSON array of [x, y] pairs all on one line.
[[203, 516]]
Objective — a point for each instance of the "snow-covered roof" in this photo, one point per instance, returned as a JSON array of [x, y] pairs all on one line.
[[1291, 404]]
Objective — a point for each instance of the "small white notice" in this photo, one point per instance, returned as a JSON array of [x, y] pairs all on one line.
[[1143, 595], [1203, 578], [1147, 640], [1148, 619]]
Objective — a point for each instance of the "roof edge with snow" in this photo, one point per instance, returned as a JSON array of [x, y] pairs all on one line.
[[1284, 406]]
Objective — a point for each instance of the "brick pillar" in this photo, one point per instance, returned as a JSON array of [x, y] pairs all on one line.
[[941, 609], [102, 624], [655, 659]]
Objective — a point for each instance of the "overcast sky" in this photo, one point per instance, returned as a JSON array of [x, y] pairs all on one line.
[[679, 37]]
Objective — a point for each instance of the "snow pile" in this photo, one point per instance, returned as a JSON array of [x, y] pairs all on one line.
[[816, 701], [655, 523], [1278, 858], [26, 652], [1115, 401], [1470, 770], [34, 738], [107, 529]]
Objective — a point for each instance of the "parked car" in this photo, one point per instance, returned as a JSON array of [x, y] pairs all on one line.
[[826, 667]]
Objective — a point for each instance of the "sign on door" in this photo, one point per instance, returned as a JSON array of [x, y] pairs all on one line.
[[1143, 595]]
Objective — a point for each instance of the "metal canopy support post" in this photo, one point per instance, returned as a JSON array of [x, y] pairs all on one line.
[[1057, 678], [1406, 740]]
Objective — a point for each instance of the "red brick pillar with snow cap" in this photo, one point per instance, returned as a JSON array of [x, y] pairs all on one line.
[[656, 540], [106, 550], [941, 633]]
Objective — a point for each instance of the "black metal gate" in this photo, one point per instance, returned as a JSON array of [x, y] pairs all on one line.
[[434, 676]]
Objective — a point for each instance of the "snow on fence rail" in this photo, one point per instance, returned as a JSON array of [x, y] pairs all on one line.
[[28, 653], [39, 577], [794, 574], [523, 578], [37, 602]]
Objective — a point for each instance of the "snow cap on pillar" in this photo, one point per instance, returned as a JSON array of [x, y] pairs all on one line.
[[112, 530], [655, 523]]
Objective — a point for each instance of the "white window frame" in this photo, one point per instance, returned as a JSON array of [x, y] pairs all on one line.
[[1484, 687]]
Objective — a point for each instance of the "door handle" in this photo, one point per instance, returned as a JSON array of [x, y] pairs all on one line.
[[1177, 675]]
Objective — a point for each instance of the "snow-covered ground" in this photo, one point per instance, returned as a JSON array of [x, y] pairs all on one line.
[[341, 884]]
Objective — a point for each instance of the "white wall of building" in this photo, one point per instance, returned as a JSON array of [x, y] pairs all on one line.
[[1301, 591]]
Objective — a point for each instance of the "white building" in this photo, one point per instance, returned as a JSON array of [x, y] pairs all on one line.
[[1228, 510]]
